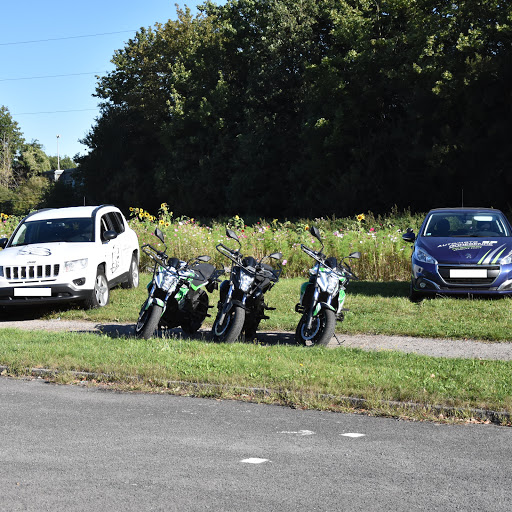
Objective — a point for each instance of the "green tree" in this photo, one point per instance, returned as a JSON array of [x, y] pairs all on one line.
[[64, 162], [33, 161], [286, 107], [11, 143]]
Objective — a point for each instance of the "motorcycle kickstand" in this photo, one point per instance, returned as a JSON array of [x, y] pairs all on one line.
[[337, 339]]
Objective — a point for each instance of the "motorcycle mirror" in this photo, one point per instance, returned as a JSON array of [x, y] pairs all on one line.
[[204, 258], [231, 234], [355, 255], [159, 235], [276, 255], [316, 233]]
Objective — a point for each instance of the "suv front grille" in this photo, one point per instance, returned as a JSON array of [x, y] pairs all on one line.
[[31, 272]]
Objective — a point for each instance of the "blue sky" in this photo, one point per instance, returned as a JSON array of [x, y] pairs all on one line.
[[44, 104]]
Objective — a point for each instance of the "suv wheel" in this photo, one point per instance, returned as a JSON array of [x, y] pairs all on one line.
[[100, 294], [133, 275]]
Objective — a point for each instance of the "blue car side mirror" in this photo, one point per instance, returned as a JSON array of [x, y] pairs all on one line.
[[409, 236]]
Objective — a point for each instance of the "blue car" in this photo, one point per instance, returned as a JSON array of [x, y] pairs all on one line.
[[461, 251]]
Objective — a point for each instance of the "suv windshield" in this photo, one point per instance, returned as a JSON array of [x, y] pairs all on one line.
[[466, 224], [54, 230]]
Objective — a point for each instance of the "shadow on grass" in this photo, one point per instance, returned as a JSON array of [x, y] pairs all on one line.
[[127, 330], [385, 289]]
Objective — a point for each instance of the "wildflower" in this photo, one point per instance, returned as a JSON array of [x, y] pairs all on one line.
[[360, 217], [285, 262]]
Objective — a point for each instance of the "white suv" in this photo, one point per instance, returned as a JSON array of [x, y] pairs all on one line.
[[68, 254]]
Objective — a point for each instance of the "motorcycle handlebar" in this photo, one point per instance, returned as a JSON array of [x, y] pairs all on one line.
[[155, 254], [229, 253]]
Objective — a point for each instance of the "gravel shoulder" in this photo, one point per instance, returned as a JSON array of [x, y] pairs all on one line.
[[466, 349]]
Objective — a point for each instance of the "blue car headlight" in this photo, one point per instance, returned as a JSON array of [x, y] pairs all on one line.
[[423, 256], [506, 260]]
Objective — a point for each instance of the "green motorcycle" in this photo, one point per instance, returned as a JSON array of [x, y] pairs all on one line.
[[322, 297], [176, 294]]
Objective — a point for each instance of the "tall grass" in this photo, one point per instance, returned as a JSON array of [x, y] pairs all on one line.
[[384, 255]]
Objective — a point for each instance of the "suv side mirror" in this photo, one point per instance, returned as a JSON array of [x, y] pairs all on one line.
[[109, 235], [409, 236], [3, 242]]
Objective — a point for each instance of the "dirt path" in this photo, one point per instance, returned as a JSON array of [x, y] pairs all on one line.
[[466, 349]]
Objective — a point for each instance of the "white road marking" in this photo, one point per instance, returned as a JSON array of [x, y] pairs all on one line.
[[353, 434], [299, 433], [254, 460]]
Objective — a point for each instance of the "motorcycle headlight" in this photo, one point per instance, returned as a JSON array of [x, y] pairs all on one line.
[[328, 282], [166, 280], [423, 256], [246, 281], [75, 265]]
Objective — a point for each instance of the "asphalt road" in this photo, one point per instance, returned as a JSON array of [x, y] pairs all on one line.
[[73, 448]]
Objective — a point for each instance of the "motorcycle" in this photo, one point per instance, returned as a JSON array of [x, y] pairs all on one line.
[[322, 297], [241, 306], [176, 293]]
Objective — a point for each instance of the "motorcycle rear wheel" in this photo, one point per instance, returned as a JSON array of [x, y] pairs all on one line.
[[148, 321], [230, 330], [322, 329]]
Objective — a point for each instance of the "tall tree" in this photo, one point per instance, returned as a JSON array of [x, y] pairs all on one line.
[[11, 144], [339, 106]]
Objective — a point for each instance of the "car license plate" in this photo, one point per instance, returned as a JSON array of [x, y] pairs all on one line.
[[32, 292], [473, 273]]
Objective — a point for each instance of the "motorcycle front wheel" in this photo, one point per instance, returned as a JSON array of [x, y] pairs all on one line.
[[231, 328], [322, 329], [148, 320]]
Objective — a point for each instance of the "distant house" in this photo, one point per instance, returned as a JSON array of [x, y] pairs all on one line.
[[65, 176]]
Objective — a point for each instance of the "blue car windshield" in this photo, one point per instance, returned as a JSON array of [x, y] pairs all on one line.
[[466, 224], [54, 230]]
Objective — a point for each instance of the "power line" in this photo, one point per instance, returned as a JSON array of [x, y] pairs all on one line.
[[49, 76], [54, 112], [64, 38]]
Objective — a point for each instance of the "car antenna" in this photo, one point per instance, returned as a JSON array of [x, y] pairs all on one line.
[[462, 198]]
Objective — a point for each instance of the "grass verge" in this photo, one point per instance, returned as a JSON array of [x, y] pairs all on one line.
[[380, 383]]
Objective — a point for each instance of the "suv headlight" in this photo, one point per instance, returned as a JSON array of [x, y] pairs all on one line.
[[75, 265], [424, 256]]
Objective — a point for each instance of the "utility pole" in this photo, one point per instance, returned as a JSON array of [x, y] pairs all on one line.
[[58, 157]]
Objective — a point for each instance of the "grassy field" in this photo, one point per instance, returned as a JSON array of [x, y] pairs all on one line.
[[381, 383]]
